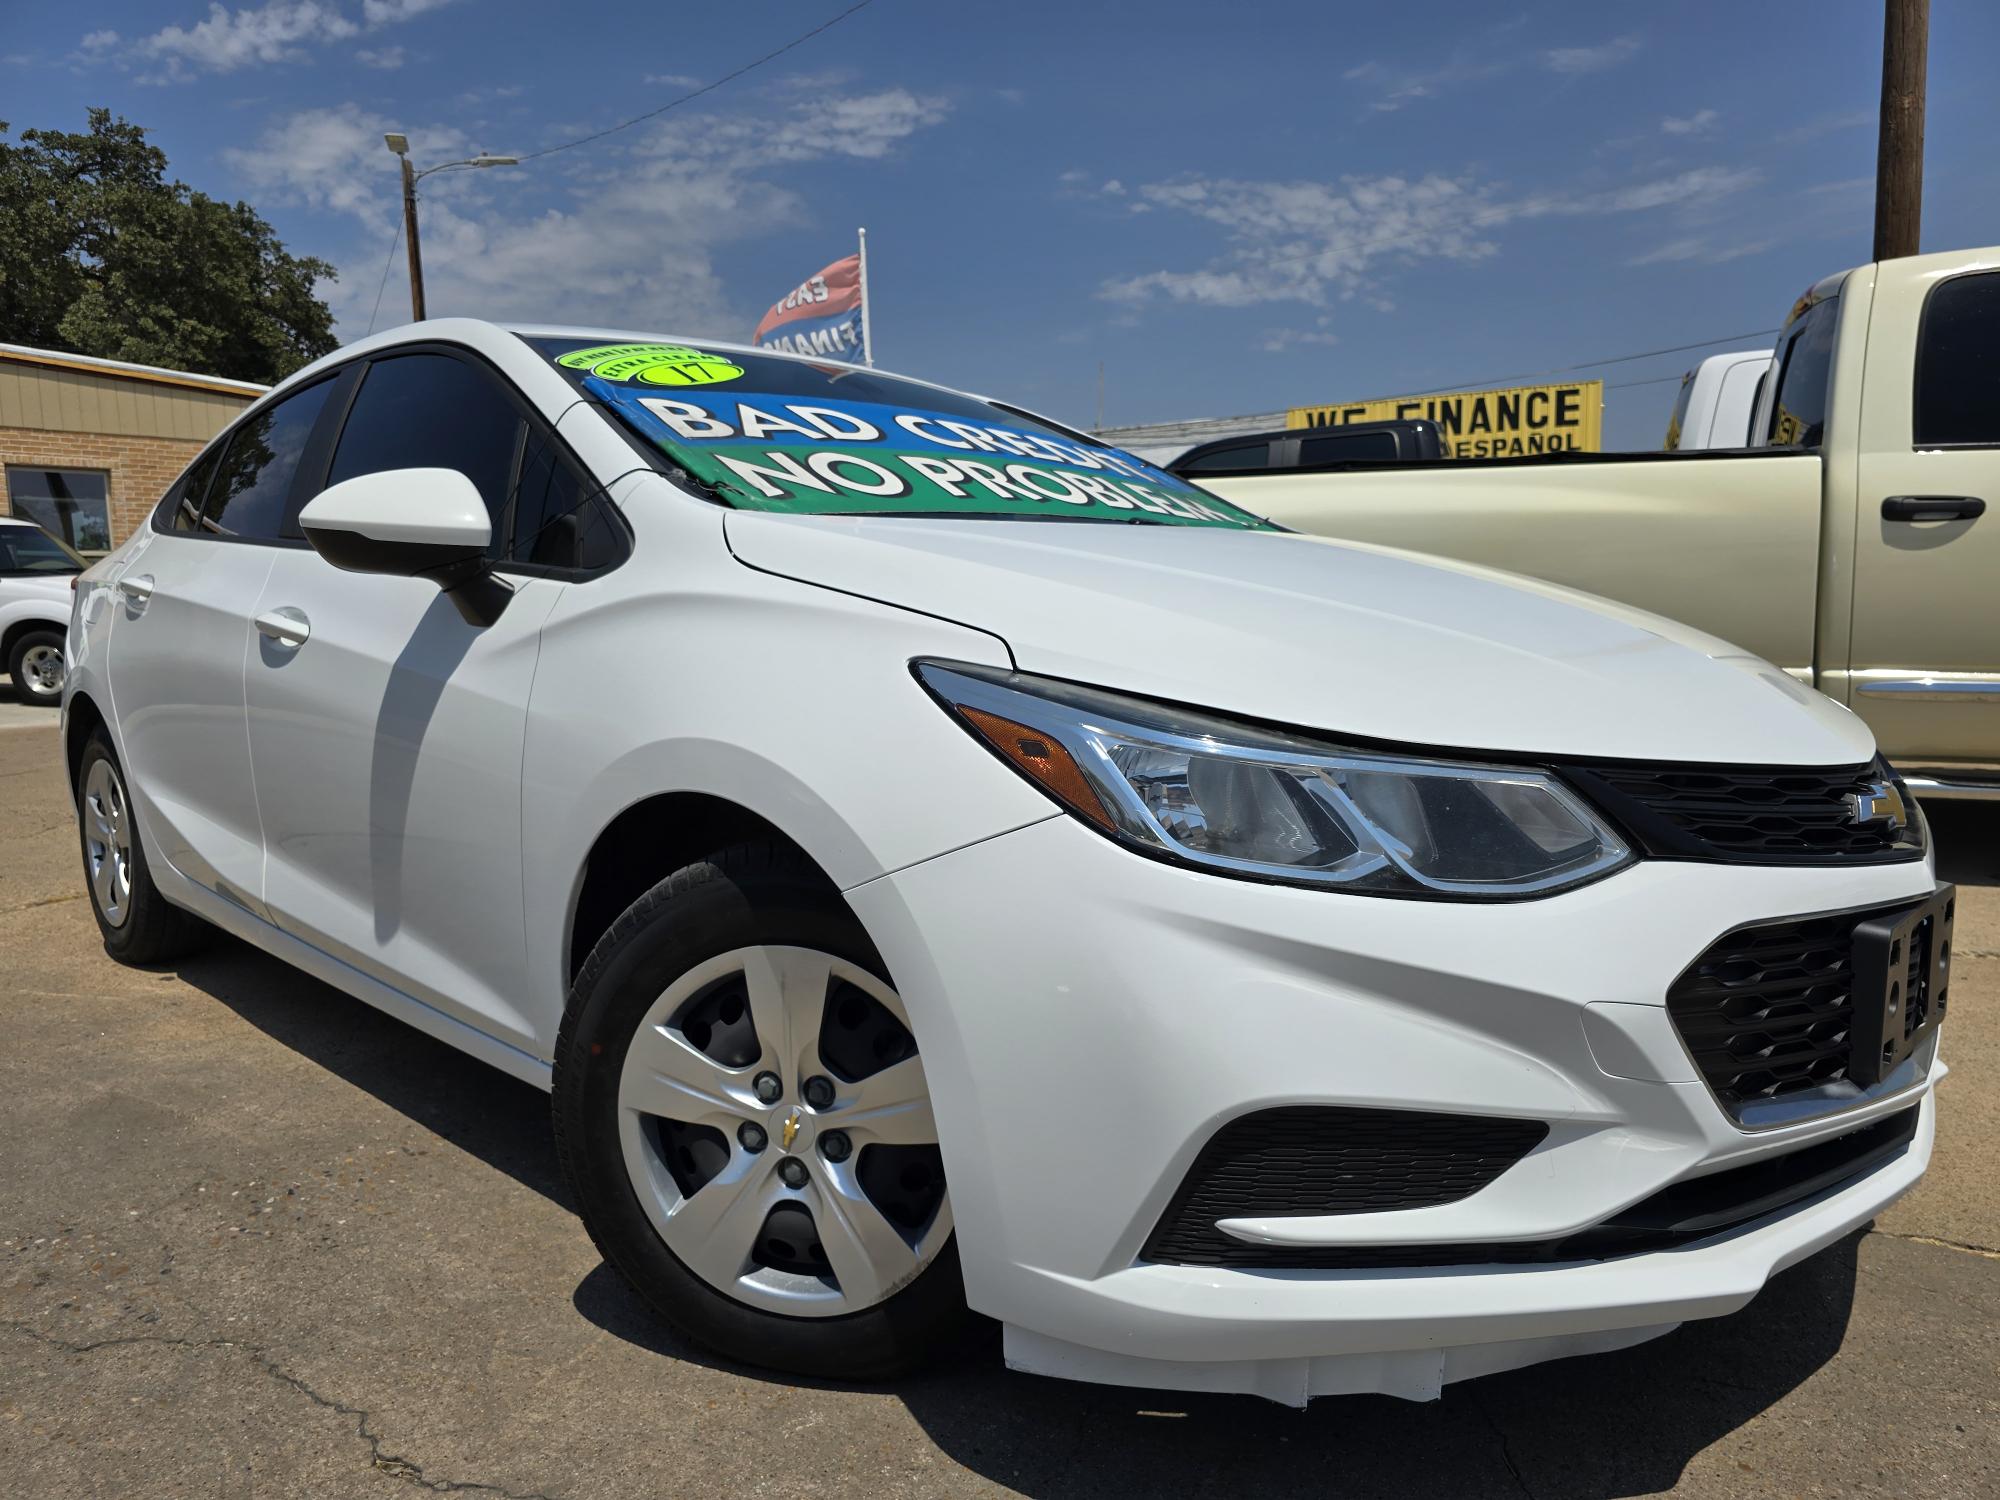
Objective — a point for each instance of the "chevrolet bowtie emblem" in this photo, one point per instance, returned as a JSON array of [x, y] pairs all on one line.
[[1879, 802], [791, 1129]]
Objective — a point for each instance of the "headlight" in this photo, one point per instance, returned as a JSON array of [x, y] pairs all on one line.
[[1271, 806]]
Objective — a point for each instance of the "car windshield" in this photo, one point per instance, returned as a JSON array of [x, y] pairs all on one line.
[[764, 432], [29, 549]]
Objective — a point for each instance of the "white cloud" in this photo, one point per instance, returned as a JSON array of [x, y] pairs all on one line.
[[1698, 248], [279, 31], [1314, 242], [1591, 59], [623, 234], [672, 80], [1698, 123], [386, 58]]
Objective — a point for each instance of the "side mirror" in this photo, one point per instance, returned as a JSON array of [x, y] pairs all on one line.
[[411, 523]]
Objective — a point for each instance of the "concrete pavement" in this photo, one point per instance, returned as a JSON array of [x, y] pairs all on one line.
[[257, 1239]]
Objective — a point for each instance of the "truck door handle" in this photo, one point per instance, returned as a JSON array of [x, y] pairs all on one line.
[[1933, 508], [138, 590], [288, 627]]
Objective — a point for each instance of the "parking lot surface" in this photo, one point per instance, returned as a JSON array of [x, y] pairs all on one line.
[[257, 1239]]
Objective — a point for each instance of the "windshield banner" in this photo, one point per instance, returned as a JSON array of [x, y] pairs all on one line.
[[821, 315], [836, 457]]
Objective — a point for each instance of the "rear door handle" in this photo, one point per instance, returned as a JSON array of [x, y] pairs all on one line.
[[287, 626], [139, 589], [1933, 508]]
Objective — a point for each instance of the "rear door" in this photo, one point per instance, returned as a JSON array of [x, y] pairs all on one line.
[[178, 640], [386, 732], [1925, 649]]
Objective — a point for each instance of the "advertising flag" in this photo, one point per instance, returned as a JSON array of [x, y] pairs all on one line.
[[822, 315]]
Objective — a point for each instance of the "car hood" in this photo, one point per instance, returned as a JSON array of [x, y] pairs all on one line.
[[1342, 638]]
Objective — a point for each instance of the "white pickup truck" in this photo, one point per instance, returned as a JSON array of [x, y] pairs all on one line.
[[1850, 545], [1717, 404]]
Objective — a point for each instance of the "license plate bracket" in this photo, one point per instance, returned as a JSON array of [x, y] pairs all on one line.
[[1902, 964]]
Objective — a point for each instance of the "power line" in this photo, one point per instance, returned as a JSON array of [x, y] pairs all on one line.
[[394, 240], [707, 88], [1592, 364]]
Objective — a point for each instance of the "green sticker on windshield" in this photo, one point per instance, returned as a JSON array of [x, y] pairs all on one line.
[[652, 364]]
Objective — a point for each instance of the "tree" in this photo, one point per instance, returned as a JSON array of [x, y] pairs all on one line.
[[101, 254]]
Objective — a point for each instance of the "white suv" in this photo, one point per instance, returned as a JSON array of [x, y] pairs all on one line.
[[36, 574], [935, 859]]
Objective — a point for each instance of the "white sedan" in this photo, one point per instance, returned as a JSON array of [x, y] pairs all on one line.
[[938, 861]]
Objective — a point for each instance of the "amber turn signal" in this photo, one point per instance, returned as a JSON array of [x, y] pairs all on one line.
[[1043, 761]]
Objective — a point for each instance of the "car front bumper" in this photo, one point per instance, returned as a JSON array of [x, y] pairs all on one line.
[[1088, 1018]]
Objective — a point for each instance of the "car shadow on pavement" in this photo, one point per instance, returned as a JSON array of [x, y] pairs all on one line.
[[501, 1120], [1597, 1427]]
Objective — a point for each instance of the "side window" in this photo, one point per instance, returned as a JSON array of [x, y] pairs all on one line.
[[1958, 364], [1342, 448], [1679, 418], [1246, 456], [558, 521], [182, 508], [1805, 369], [431, 411], [254, 477], [73, 504]]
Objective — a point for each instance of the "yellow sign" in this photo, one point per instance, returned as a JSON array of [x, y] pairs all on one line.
[[1485, 424]]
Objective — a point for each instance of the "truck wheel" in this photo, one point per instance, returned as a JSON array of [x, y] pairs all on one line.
[[742, 1114]]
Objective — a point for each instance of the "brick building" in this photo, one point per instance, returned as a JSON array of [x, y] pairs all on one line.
[[90, 444]]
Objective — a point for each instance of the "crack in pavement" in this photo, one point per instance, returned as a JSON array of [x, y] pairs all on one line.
[[1964, 1247], [45, 901], [1506, 1448], [388, 1463]]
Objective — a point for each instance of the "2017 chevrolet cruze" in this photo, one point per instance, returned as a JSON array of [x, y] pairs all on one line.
[[935, 859]]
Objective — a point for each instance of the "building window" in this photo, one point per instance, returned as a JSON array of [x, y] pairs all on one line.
[[71, 504]]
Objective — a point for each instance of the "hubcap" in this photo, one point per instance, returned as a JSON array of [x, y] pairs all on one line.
[[42, 670], [107, 842], [784, 1226]]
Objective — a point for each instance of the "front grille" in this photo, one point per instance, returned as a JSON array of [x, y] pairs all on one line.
[[1695, 1209], [1304, 1159], [1777, 815], [1769, 1010]]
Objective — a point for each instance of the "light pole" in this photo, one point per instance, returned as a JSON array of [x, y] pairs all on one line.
[[399, 143]]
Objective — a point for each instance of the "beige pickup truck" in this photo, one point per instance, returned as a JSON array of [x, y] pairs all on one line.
[[1851, 546]]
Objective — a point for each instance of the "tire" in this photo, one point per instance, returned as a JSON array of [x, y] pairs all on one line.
[[709, 978], [139, 925], [38, 675]]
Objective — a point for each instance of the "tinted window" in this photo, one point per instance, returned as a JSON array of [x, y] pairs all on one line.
[[254, 478], [73, 504], [1679, 418], [1958, 363], [1347, 448], [1248, 456], [1805, 368], [430, 411], [558, 521], [29, 549], [184, 501]]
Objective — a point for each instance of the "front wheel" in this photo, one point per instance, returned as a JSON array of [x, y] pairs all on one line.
[[36, 665], [743, 1116]]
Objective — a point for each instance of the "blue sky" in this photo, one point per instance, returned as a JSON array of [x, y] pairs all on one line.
[[1233, 208]]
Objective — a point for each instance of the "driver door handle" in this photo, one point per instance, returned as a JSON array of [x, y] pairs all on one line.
[[288, 627], [1933, 508]]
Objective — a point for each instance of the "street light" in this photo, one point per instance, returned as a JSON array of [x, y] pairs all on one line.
[[399, 143]]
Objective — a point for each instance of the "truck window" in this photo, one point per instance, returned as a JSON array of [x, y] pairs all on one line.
[[1250, 456], [1805, 369], [1958, 364], [1344, 447]]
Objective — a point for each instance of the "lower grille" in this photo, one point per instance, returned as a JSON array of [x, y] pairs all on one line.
[[1305, 1159], [1769, 1010], [1695, 1209]]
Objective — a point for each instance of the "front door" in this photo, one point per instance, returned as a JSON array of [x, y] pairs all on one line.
[[1925, 653]]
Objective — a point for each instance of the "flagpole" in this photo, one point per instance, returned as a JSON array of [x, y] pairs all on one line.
[[867, 338]]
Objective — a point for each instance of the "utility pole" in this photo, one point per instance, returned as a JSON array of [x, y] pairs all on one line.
[[399, 143], [410, 238], [1899, 152]]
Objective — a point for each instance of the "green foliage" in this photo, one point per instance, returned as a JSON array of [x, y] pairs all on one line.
[[101, 254]]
